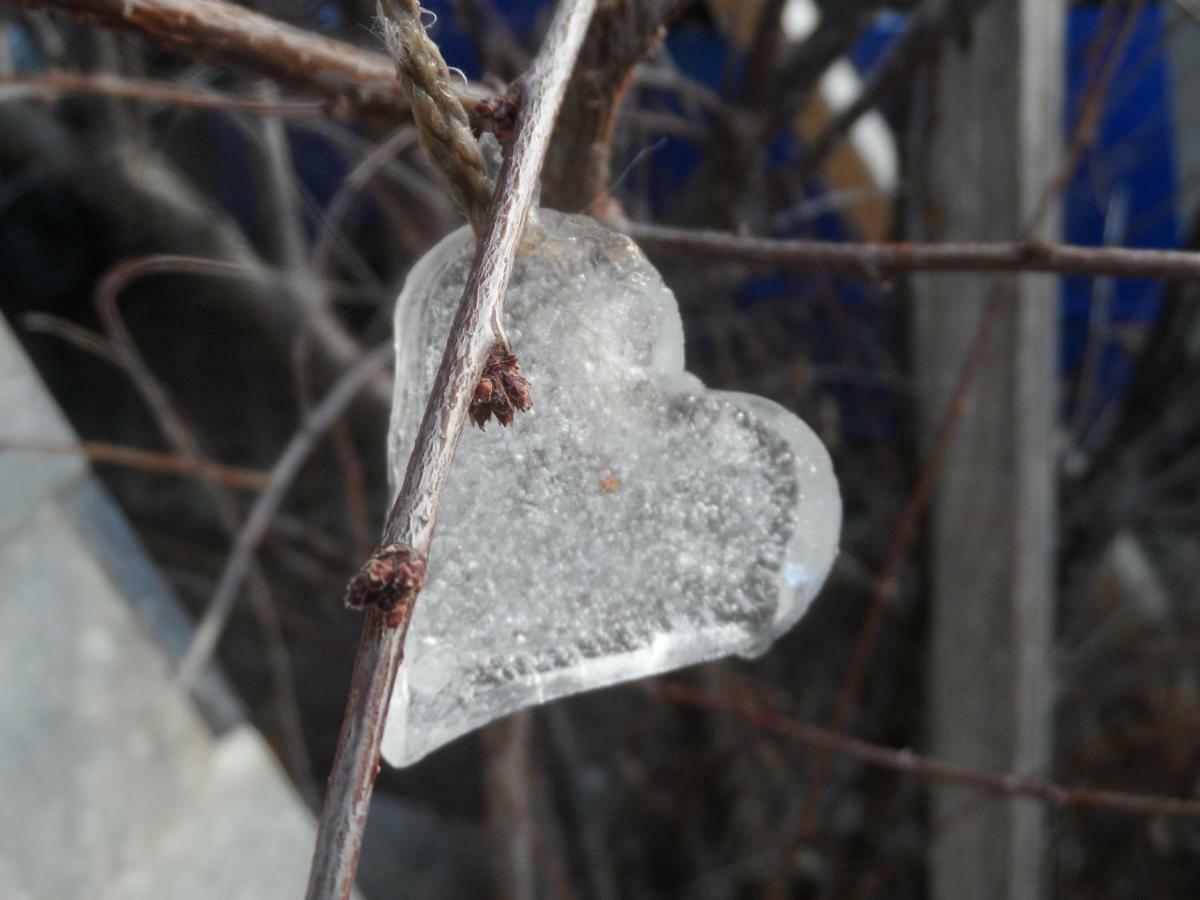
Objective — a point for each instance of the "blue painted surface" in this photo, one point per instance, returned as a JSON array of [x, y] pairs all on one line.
[[1126, 184]]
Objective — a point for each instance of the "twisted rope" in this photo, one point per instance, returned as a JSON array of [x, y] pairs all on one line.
[[442, 124]]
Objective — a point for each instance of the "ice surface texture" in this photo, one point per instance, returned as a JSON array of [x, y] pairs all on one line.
[[632, 522]]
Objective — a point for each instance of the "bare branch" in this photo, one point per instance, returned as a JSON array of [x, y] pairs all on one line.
[[180, 434], [926, 769], [232, 477], [349, 192], [225, 33], [414, 515], [891, 258], [255, 526], [139, 190], [510, 825], [56, 83], [620, 36]]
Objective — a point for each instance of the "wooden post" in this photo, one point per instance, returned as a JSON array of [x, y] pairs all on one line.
[[987, 152]]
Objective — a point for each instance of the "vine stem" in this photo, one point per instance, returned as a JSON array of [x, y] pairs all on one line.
[[879, 259], [215, 30], [414, 514], [255, 526], [926, 768]]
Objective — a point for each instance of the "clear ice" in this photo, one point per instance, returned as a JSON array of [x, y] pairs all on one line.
[[631, 523]]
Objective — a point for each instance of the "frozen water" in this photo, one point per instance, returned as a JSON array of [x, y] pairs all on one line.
[[632, 522]]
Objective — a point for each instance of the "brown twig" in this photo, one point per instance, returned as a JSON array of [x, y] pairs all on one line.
[[620, 36], [510, 825], [146, 460], [354, 485], [762, 52], [140, 192], [176, 429], [55, 83], [255, 525], [1085, 130], [414, 514], [925, 768], [223, 32], [500, 51], [871, 259], [349, 192]]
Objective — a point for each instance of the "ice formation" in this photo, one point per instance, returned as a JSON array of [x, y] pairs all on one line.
[[632, 522]]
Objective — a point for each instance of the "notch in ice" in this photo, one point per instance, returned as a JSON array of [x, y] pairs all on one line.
[[631, 523]]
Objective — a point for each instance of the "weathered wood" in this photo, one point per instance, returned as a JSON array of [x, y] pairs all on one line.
[[989, 152]]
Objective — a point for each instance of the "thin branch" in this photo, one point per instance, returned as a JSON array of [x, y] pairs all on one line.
[[414, 515], [763, 51], [55, 83], [500, 52], [349, 192], [225, 33], [146, 460], [885, 587], [74, 334], [925, 768], [871, 259], [508, 798], [255, 526], [620, 36], [139, 191], [181, 436], [694, 96]]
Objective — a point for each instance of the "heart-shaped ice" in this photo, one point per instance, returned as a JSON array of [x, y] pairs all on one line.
[[630, 523]]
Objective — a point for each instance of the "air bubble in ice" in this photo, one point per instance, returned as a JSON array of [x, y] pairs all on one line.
[[632, 522]]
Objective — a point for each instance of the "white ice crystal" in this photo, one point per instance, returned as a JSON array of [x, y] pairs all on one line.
[[632, 522]]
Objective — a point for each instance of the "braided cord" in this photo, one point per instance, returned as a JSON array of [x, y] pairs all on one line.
[[442, 124]]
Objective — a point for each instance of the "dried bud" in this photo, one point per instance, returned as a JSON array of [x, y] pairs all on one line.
[[502, 390], [499, 116], [390, 580], [516, 387]]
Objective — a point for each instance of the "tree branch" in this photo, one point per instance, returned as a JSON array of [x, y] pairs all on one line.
[[108, 453], [621, 34], [926, 768], [892, 258], [254, 528], [222, 32], [414, 514], [55, 82]]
